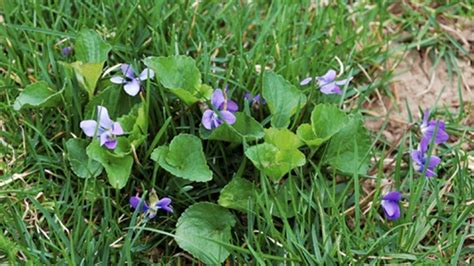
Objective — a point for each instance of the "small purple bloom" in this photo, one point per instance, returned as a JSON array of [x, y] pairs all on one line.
[[428, 128], [327, 83], [421, 160], [130, 81], [66, 51], [226, 108], [390, 205], [162, 204], [107, 130], [255, 101]]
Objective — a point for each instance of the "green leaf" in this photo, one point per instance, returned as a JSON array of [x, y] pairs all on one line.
[[117, 166], [184, 158], [90, 47], [123, 147], [327, 120], [87, 75], [135, 124], [283, 99], [273, 161], [91, 52], [37, 95], [306, 134], [205, 91], [80, 164], [282, 138], [200, 229], [244, 127], [348, 149], [180, 75], [238, 194]]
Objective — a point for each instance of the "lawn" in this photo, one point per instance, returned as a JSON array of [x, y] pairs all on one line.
[[121, 142]]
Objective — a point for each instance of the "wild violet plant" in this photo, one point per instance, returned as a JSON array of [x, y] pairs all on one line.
[[273, 148]]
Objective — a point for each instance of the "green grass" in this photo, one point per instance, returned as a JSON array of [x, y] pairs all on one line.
[[50, 216]]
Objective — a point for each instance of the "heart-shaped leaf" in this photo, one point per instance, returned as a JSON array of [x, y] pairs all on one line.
[[91, 52], [245, 127], [184, 158], [37, 95], [117, 166], [283, 99], [282, 138], [87, 75], [90, 47], [306, 134], [80, 164], [348, 149], [237, 194], [200, 229], [180, 75], [273, 161], [327, 120]]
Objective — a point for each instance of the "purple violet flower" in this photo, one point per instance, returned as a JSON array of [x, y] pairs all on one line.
[[161, 204], [226, 108], [255, 101], [428, 128], [130, 81], [66, 51], [390, 205], [327, 83], [107, 130], [421, 160]]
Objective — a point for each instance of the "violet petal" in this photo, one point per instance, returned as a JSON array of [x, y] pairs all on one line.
[[330, 75], [103, 117], [207, 118], [391, 209], [111, 144], [146, 74], [117, 129], [217, 98], [127, 71], [393, 196], [232, 106], [306, 81], [228, 117], [132, 87], [89, 127], [117, 80]]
